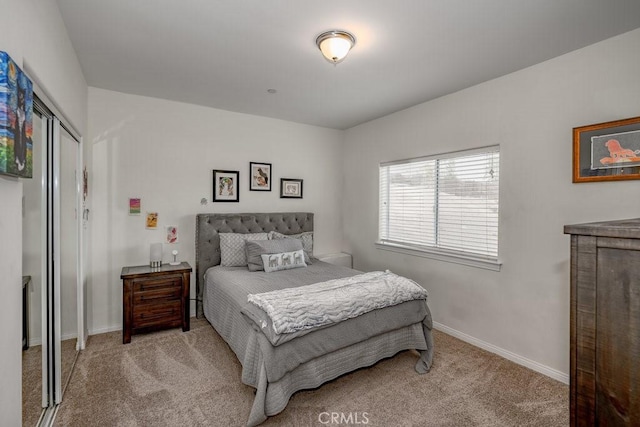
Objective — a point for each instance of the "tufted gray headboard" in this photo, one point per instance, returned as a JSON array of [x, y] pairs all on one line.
[[208, 241]]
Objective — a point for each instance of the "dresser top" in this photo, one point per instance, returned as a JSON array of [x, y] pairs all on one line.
[[624, 228], [145, 269]]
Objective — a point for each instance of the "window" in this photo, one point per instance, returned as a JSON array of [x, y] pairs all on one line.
[[444, 205]]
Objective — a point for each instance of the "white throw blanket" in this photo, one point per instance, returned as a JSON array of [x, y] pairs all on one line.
[[324, 303]]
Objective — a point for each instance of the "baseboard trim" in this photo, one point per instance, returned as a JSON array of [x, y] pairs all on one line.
[[38, 340], [90, 332], [105, 330], [516, 358], [69, 336], [35, 341]]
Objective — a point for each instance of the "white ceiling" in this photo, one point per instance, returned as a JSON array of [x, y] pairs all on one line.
[[226, 54]]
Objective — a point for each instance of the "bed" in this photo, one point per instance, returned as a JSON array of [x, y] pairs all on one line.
[[278, 367]]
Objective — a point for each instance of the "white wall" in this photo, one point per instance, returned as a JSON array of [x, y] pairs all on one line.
[[164, 152], [35, 37], [11, 300], [522, 311]]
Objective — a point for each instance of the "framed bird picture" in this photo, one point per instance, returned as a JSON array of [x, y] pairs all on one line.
[[260, 174], [607, 151]]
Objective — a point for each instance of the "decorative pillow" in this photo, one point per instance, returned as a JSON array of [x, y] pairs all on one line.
[[232, 252], [255, 248], [283, 261], [306, 238]]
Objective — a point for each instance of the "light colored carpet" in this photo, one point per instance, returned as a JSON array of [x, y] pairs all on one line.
[[172, 378], [32, 378], [31, 385]]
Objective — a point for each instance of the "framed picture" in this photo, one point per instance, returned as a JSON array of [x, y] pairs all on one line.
[[290, 188], [607, 151], [260, 176], [226, 186]]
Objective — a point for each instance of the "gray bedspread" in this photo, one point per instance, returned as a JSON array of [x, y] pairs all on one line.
[[278, 365]]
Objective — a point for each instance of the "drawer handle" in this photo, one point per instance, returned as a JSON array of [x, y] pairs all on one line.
[[155, 297], [173, 311], [148, 298]]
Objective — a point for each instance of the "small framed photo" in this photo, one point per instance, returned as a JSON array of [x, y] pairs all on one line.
[[290, 188], [260, 178], [607, 151], [226, 186]]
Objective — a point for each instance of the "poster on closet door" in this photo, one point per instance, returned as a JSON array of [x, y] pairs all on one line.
[[16, 120]]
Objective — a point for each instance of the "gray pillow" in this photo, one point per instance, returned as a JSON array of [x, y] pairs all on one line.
[[232, 252], [255, 248], [306, 238]]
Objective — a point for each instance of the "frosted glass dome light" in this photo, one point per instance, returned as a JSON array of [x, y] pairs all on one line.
[[335, 45]]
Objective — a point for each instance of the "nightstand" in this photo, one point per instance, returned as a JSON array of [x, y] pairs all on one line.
[[340, 258], [154, 298]]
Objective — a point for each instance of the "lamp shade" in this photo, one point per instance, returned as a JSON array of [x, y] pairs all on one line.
[[335, 45], [155, 255]]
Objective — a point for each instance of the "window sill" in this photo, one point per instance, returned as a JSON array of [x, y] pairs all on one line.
[[468, 260]]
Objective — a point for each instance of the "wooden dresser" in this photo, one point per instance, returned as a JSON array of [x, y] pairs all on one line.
[[154, 298], [605, 323]]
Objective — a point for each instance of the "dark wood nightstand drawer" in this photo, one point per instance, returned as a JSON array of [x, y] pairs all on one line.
[[153, 284], [157, 295], [157, 314]]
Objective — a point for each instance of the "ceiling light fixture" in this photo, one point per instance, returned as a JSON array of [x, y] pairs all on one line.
[[335, 45]]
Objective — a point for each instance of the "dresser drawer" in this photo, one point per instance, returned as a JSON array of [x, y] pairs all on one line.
[[158, 294], [153, 284], [146, 315]]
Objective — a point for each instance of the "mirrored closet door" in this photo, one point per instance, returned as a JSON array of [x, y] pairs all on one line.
[[34, 275], [65, 236], [52, 262]]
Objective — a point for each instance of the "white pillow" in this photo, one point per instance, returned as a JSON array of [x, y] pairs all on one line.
[[283, 261], [255, 248], [232, 252], [306, 238]]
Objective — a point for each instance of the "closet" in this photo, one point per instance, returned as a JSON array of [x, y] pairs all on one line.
[[53, 329]]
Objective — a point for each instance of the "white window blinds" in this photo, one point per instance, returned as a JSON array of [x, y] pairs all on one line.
[[447, 202]]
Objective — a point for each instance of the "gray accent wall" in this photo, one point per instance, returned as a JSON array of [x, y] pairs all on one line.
[[521, 312]]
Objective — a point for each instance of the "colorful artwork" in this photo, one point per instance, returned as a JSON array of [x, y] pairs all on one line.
[[172, 234], [16, 120], [152, 220], [134, 206]]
